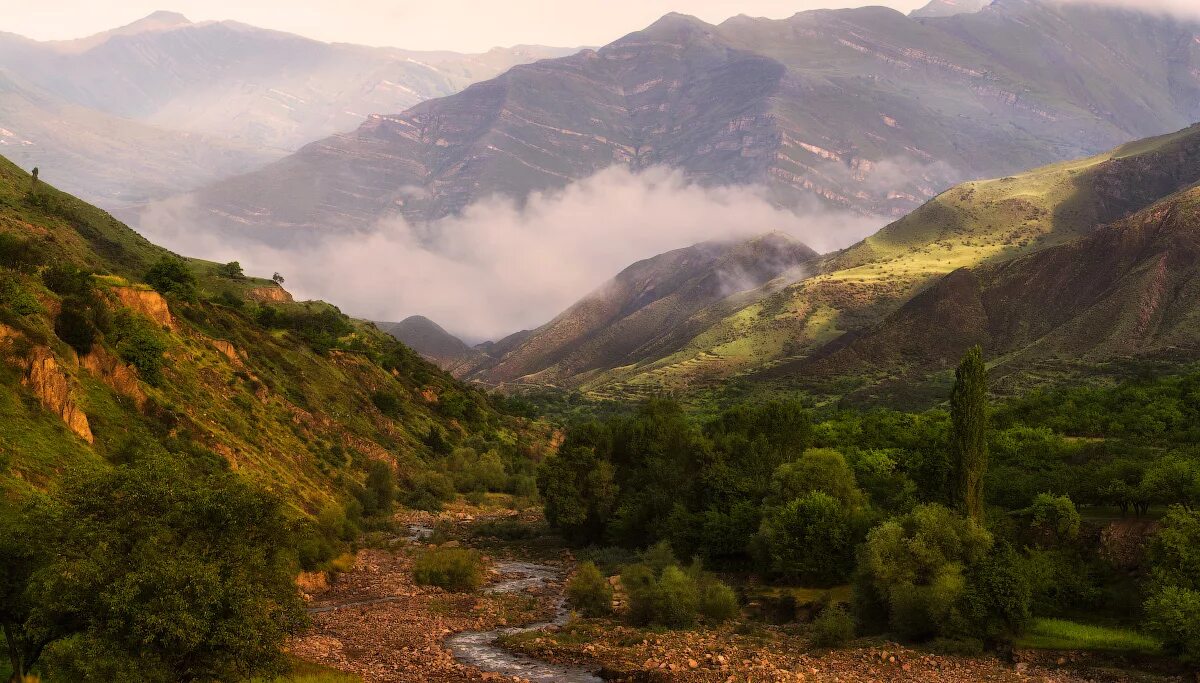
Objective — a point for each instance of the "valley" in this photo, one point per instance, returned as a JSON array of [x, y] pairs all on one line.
[[748, 444]]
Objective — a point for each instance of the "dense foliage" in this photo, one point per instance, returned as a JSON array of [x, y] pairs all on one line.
[[960, 526], [149, 573]]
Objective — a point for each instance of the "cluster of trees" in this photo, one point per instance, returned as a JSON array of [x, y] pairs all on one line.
[[958, 524], [660, 591], [148, 572]]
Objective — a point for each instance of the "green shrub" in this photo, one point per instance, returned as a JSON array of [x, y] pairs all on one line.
[[589, 592], [670, 600], [74, 325], [718, 602], [19, 253], [388, 403], [231, 270], [808, 540], [1054, 520], [428, 491], [17, 298], [140, 345], [172, 275], [65, 279], [452, 569], [833, 627]]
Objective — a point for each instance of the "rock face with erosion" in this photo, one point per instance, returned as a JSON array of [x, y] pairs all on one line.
[[55, 390], [147, 302]]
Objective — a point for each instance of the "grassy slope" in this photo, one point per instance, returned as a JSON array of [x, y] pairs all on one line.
[[975, 223], [277, 411]]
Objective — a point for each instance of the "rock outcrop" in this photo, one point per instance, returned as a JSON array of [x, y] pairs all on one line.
[[147, 302], [54, 388], [277, 295], [119, 376]]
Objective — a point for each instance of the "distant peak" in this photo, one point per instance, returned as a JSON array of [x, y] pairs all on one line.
[[676, 21], [159, 20], [949, 8]]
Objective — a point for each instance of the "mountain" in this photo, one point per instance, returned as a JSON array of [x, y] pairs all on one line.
[[114, 161], [236, 85], [898, 308], [98, 367], [650, 307], [949, 8], [864, 109], [428, 339]]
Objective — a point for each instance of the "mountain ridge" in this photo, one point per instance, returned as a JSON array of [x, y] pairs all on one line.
[[821, 105]]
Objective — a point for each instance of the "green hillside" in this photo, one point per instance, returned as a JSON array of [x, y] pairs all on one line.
[[976, 223], [223, 368]]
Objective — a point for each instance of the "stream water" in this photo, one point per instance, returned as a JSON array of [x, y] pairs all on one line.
[[480, 649]]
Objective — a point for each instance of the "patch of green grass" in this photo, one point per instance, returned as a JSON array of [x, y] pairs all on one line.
[[308, 672], [1060, 634]]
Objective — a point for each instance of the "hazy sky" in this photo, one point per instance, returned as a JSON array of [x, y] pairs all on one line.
[[465, 25]]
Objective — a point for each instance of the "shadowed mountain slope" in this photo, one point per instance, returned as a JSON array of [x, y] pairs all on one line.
[[646, 310], [816, 327], [865, 109], [223, 84]]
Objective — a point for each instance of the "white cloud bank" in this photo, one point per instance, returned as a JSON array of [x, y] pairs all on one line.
[[499, 267]]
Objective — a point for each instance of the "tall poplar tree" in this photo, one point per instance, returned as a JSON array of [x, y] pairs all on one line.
[[968, 441]]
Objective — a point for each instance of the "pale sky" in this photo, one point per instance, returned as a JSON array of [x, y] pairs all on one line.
[[462, 25]]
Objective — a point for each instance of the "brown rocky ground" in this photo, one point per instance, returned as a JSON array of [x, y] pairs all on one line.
[[397, 637], [772, 655]]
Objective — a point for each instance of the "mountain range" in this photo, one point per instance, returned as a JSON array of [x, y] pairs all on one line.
[[1061, 270], [862, 109], [202, 101]]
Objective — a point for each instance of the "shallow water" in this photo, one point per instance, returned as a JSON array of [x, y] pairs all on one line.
[[479, 648]]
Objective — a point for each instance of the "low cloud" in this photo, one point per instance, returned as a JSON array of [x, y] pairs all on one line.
[[1187, 9], [500, 267]]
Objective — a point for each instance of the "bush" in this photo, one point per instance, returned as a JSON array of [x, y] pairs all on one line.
[[452, 569], [834, 627], [17, 298], [1173, 616], [1055, 521], [65, 279], [670, 600], [171, 275], [718, 602], [231, 270], [915, 566], [380, 491], [589, 592], [428, 490], [388, 403], [74, 325], [19, 253], [810, 540], [140, 345]]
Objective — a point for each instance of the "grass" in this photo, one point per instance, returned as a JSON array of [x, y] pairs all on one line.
[[308, 672], [1060, 634]]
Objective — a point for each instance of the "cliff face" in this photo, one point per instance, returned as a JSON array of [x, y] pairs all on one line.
[[146, 302], [55, 389]]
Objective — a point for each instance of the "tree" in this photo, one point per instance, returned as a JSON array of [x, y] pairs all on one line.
[[818, 469], [171, 275], [185, 576], [381, 489], [231, 270], [915, 568], [810, 539], [579, 491], [277, 279], [968, 439], [1173, 606]]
